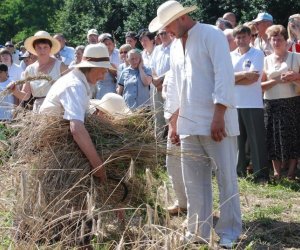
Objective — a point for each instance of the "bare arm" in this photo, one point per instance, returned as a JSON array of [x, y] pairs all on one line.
[[83, 140], [267, 84], [145, 78], [246, 77], [23, 94], [173, 128]]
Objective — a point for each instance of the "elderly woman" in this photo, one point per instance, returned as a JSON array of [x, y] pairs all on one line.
[[134, 81], [14, 70], [78, 56], [44, 47], [294, 33], [281, 75]]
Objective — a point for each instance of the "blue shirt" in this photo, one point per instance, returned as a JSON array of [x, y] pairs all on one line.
[[67, 55], [7, 103], [135, 93]]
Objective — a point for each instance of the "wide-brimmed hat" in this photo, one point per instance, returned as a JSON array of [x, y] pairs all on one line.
[[95, 56], [112, 104], [42, 35], [264, 16], [167, 13]]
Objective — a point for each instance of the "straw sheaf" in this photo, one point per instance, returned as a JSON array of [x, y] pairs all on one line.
[[58, 180]]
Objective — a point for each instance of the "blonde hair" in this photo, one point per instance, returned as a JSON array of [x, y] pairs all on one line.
[[126, 47], [292, 33]]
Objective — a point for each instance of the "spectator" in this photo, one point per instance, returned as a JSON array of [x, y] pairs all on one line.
[[229, 36], [223, 24], [294, 33], [134, 81], [282, 104], [26, 59], [248, 66], [14, 52], [6, 103], [14, 70], [79, 50], [44, 47], [254, 32], [92, 36], [124, 49], [66, 53], [230, 17], [160, 65], [262, 22], [131, 39], [202, 106], [108, 85]]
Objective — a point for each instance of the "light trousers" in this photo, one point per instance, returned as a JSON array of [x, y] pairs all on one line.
[[200, 155], [159, 120], [173, 164]]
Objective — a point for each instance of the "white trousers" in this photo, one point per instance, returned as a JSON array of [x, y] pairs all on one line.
[[200, 154], [173, 164]]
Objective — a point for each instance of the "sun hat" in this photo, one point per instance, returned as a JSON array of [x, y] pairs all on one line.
[[95, 56], [92, 32], [264, 16], [167, 13], [112, 104], [42, 35]]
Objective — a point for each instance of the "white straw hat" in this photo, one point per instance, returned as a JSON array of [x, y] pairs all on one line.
[[112, 104], [167, 13], [95, 56], [42, 35]]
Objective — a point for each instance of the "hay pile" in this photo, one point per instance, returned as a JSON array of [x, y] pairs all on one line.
[[58, 199]]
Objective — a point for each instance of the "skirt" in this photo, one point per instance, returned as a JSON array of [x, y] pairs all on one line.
[[282, 122]]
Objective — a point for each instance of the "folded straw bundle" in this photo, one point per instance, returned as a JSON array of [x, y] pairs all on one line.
[[57, 192]]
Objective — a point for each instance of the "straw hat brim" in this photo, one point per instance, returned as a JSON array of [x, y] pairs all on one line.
[[98, 104], [155, 24], [91, 64], [29, 44]]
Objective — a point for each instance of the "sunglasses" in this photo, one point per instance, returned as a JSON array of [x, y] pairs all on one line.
[[162, 33], [10, 46], [123, 52], [254, 35]]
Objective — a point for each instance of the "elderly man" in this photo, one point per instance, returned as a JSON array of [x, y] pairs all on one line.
[[14, 52], [263, 21], [204, 121], [66, 53], [92, 36], [70, 95]]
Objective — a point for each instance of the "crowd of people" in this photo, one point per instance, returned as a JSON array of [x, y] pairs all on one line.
[[228, 96]]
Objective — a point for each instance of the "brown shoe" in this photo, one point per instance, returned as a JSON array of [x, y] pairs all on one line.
[[176, 210]]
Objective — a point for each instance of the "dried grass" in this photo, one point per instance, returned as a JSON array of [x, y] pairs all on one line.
[[57, 198]]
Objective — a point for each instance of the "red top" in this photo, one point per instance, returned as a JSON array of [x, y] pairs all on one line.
[[295, 47]]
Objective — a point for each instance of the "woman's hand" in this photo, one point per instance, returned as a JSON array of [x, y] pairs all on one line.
[[290, 76]]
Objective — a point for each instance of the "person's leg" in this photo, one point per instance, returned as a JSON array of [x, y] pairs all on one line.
[[242, 139], [173, 164], [277, 168], [255, 129], [159, 120], [223, 157], [292, 169], [197, 175]]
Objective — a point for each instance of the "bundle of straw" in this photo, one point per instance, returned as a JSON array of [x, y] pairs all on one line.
[[57, 192]]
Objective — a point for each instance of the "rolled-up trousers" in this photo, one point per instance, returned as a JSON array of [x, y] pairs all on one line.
[[200, 155]]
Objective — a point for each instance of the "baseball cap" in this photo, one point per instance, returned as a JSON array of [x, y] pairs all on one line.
[[92, 32], [264, 16]]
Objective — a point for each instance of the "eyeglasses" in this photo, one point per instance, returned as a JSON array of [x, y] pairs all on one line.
[[123, 52], [254, 35], [162, 33]]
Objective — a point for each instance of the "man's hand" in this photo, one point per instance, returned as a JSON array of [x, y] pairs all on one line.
[[218, 124], [100, 173], [172, 134], [252, 76]]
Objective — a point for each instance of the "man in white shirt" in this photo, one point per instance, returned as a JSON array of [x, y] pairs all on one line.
[[160, 65], [248, 66], [204, 121], [70, 95]]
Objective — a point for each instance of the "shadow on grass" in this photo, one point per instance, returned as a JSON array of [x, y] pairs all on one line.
[[272, 234]]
